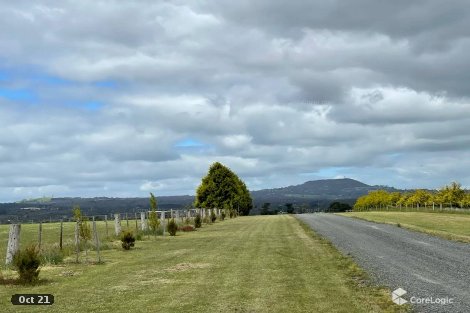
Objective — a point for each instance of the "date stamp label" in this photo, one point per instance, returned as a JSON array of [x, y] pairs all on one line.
[[32, 299]]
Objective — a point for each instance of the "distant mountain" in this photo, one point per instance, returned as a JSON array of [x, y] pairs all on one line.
[[55, 208], [316, 191]]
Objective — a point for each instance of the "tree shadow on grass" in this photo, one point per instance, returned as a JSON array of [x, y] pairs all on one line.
[[19, 282]]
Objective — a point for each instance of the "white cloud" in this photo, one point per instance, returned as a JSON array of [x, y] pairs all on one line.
[[274, 90]]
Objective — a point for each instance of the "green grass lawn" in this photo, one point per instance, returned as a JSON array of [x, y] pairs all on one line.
[[247, 264], [447, 225]]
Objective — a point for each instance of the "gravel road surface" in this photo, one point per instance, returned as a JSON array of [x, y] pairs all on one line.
[[423, 265]]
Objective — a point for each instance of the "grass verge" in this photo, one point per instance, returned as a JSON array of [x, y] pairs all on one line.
[[247, 264], [449, 226]]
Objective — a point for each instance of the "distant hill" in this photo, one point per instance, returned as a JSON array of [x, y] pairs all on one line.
[[316, 194], [312, 194], [316, 188], [344, 188], [56, 208]]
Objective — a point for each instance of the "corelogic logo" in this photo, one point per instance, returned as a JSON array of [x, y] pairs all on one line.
[[397, 296]]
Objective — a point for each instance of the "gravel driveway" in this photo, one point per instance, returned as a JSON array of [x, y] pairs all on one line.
[[423, 265]]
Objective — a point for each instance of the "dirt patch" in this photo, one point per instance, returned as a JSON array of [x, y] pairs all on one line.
[[187, 266], [68, 273], [121, 288], [155, 281], [46, 268], [179, 252]]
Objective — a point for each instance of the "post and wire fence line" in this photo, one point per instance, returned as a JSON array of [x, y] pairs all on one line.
[[64, 237]]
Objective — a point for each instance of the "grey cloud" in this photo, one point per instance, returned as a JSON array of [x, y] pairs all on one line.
[[402, 19], [399, 106], [272, 89]]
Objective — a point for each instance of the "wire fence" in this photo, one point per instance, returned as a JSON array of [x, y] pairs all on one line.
[[57, 238], [426, 208]]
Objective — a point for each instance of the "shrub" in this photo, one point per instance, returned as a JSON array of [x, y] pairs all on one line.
[[213, 217], [187, 221], [187, 228], [197, 221], [172, 227], [27, 262], [338, 207], [52, 256], [222, 216], [127, 239]]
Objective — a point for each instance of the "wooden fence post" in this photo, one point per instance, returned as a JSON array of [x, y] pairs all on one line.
[[117, 224], [61, 233], [40, 236], [163, 222], [136, 226], [127, 221], [77, 240], [143, 221], [13, 242], [106, 222], [97, 240]]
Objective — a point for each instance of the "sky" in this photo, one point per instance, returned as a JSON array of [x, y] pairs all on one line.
[[123, 98]]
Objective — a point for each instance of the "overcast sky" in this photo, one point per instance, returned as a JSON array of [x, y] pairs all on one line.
[[123, 98]]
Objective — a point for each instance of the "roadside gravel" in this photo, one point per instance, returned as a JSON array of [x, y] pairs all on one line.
[[423, 265]]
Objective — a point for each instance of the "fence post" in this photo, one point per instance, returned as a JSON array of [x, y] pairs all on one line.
[[40, 236], [13, 242], [163, 222], [143, 221], [106, 222], [97, 240], [61, 233], [136, 226], [127, 221], [77, 241], [117, 224]]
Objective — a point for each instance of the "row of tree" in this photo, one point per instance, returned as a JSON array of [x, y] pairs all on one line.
[[449, 196], [286, 208]]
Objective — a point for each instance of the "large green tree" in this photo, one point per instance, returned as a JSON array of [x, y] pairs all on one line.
[[221, 188]]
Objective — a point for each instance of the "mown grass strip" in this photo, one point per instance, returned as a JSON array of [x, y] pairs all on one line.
[[247, 264], [449, 226]]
